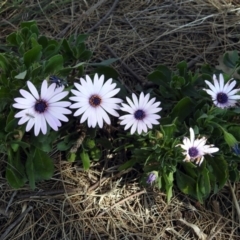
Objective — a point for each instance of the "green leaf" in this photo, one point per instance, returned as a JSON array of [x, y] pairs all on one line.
[[66, 47], [230, 59], [28, 24], [165, 71], [158, 78], [54, 64], [127, 164], [4, 63], [11, 125], [12, 39], [219, 169], [64, 145], [71, 157], [30, 171], [32, 55], [177, 82], [95, 154], [15, 170], [23, 145], [105, 62], [168, 130], [43, 165], [21, 75], [204, 183], [81, 38], [85, 55], [34, 29], [186, 183], [168, 179], [182, 68], [51, 50], [4, 93], [108, 72], [182, 109], [79, 65], [42, 40], [85, 159]]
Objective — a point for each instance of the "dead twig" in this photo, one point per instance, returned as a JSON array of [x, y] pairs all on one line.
[[80, 19], [104, 18], [17, 221], [10, 201], [120, 202], [125, 65], [235, 201], [197, 58]]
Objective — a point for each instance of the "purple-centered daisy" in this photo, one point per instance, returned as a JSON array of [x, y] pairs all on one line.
[[195, 149], [38, 110], [142, 113], [95, 99], [223, 96]]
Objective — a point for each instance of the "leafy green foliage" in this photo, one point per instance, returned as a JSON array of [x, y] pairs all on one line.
[[32, 56]]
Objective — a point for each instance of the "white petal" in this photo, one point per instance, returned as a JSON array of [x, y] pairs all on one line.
[[107, 87], [24, 101], [30, 125], [105, 117], [53, 122], [228, 88], [131, 104], [82, 110], [192, 136], [216, 83], [111, 93], [108, 108], [43, 124], [210, 85], [234, 97], [134, 128], [135, 100], [60, 104], [44, 89], [233, 92], [27, 95], [141, 99], [127, 108], [58, 97], [221, 82], [86, 115], [98, 83], [33, 90]]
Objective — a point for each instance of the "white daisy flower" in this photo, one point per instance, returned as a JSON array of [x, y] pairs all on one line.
[[142, 113], [195, 149], [38, 110], [223, 96], [94, 99]]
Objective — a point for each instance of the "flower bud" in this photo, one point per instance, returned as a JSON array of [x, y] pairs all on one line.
[[230, 139]]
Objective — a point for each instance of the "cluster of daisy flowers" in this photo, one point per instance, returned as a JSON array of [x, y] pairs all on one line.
[[94, 101]]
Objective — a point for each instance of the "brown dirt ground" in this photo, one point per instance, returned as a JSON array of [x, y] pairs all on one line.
[[103, 203]]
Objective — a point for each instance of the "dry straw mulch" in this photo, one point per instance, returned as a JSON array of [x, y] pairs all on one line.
[[103, 203]]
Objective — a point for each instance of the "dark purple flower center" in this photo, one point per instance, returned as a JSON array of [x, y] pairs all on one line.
[[40, 106], [193, 152], [139, 115], [222, 98], [95, 100]]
